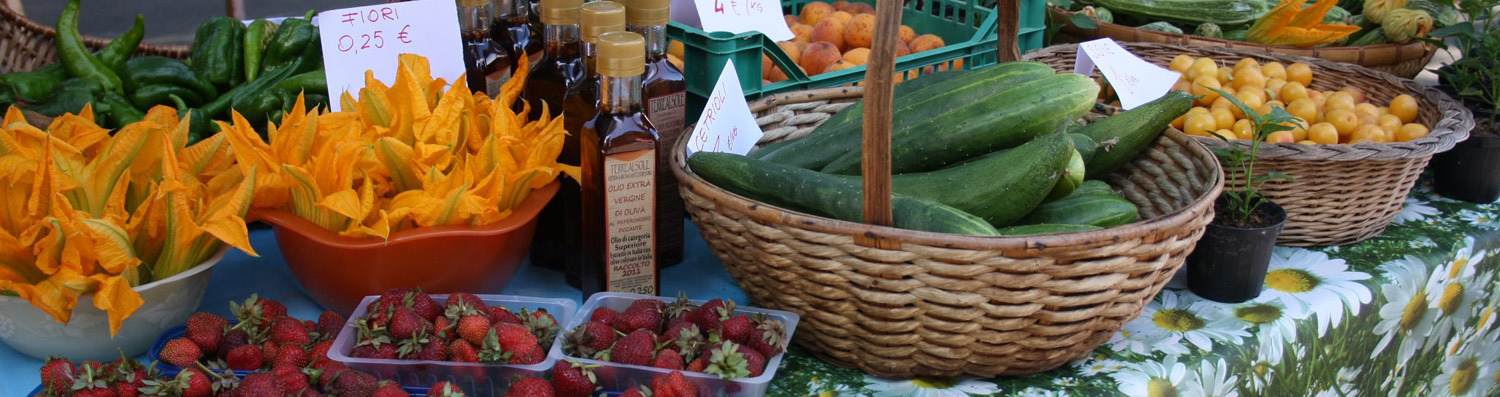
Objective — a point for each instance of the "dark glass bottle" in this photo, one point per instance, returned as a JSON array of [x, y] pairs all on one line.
[[487, 66], [619, 169], [595, 18], [553, 78], [514, 31], [665, 96]]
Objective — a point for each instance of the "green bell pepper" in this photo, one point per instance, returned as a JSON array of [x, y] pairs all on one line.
[[217, 52], [76, 58], [120, 112], [256, 36], [34, 86], [288, 44], [157, 94], [69, 97], [143, 71]]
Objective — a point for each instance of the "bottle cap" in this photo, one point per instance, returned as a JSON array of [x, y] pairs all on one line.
[[472, 3], [621, 54], [648, 12], [560, 12], [600, 17]]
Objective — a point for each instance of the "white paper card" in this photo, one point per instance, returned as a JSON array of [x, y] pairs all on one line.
[[686, 12], [1134, 80], [370, 38], [726, 125], [740, 16]]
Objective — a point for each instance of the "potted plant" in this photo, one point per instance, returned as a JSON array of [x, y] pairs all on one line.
[[1229, 264], [1471, 171], [107, 240]]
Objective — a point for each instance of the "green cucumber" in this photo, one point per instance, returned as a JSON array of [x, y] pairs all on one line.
[[841, 134], [1192, 12], [1161, 27], [1072, 176], [999, 188], [1028, 230], [767, 149], [1094, 187], [1121, 137], [826, 195], [1085, 208], [962, 129], [1083, 144]]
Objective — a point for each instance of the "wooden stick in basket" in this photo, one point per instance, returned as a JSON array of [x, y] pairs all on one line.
[[877, 120], [1008, 26]]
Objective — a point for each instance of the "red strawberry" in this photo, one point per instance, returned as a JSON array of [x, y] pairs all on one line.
[[406, 323], [710, 314], [293, 381], [389, 388], [181, 352], [462, 351], [434, 350], [473, 327], [319, 352], [635, 348], [269, 351], [676, 312], [57, 374], [91, 383], [698, 365], [528, 355], [673, 385], [514, 337], [393, 297], [355, 383], [737, 329], [129, 377], [259, 384], [290, 355], [383, 351], [633, 393], [329, 325], [769, 337], [246, 358], [502, 315], [603, 315], [530, 386], [289, 330], [683, 338], [659, 306], [589, 338], [542, 325], [424, 305], [573, 379], [197, 383], [126, 389], [445, 329], [728, 362], [646, 317], [753, 359], [668, 359], [467, 298], [491, 351], [206, 329], [232, 339], [445, 389], [257, 312]]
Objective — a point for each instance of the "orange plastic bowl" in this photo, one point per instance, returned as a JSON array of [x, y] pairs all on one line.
[[338, 271]]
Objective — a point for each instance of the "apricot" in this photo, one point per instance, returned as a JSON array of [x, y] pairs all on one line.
[[837, 66], [902, 50], [926, 42], [859, 8], [814, 12], [819, 55], [791, 49], [907, 34], [675, 48], [829, 30], [839, 5], [792, 20], [802, 32], [860, 31], [842, 17], [857, 56]]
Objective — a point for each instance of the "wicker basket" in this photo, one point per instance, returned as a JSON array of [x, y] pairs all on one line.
[[26, 45], [1405, 60], [1343, 193], [948, 305]]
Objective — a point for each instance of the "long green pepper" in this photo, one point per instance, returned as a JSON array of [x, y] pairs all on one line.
[[76, 58], [255, 46], [34, 86]]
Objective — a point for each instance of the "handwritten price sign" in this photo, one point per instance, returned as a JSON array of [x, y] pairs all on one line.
[[740, 16], [726, 125], [370, 38], [1135, 80]]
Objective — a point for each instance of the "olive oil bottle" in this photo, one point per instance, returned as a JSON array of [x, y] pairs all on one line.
[[487, 66], [665, 96], [554, 77], [513, 30], [597, 18], [619, 167]]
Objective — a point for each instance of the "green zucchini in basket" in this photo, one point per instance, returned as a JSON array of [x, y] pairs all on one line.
[[1193, 12], [827, 195], [1085, 207], [1000, 188], [854, 112], [1121, 137]]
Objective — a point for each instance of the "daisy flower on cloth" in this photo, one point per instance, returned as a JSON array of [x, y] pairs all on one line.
[[1415, 210], [1201, 322], [1471, 372], [1405, 313], [1215, 379], [1479, 219], [1307, 281], [1166, 378], [929, 387]]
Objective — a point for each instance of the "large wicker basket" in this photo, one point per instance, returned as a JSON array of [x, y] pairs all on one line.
[[1343, 193], [1404, 60], [948, 305], [26, 45]]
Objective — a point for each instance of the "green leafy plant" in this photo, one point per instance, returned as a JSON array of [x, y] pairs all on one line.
[[1242, 203], [1475, 75]]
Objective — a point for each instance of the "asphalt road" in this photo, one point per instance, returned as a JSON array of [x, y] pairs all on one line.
[[169, 21]]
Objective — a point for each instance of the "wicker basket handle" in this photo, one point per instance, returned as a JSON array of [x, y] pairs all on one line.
[[879, 86]]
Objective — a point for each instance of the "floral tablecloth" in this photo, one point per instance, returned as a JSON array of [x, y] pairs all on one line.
[[1408, 313]]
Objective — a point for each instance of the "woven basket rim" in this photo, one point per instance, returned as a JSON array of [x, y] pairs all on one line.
[[771, 214], [1181, 37], [1453, 123]]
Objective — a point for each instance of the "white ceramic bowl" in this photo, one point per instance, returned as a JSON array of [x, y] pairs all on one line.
[[168, 302]]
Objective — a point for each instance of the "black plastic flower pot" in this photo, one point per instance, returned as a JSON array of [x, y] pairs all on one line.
[[1229, 264], [1471, 171]]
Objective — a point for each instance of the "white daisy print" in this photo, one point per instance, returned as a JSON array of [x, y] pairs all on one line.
[[1166, 378], [1455, 302], [818, 388], [1405, 313], [1214, 379], [1471, 372], [1277, 329], [1479, 219], [1040, 392], [1261, 375], [1201, 322], [1146, 340], [1308, 281], [1415, 210], [1098, 364], [1465, 262], [928, 387]]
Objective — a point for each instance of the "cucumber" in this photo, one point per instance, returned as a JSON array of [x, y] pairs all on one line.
[[826, 195], [1071, 177], [1160, 27], [841, 134], [854, 112], [1084, 145], [1121, 137], [1085, 208], [1094, 187], [767, 149], [1442, 14], [1192, 12], [1000, 188], [962, 129], [1370, 37], [1028, 230]]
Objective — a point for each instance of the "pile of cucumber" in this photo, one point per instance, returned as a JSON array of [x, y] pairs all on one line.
[[986, 152]]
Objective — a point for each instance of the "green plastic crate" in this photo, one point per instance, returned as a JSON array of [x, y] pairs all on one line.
[[971, 40]]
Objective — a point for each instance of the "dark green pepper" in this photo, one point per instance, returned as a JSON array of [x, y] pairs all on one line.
[[217, 52], [157, 94], [217, 108], [288, 44], [255, 46], [120, 111], [34, 86], [257, 108], [69, 97], [76, 58], [145, 71], [314, 82]]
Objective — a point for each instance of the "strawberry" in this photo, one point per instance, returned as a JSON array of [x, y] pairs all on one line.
[[683, 338], [769, 337], [668, 359], [406, 323], [196, 383], [269, 350], [603, 315], [388, 388], [589, 338], [429, 309], [531, 354], [445, 328], [637, 316], [246, 358], [737, 329], [473, 327], [633, 393], [727, 362], [384, 351], [126, 389], [753, 360], [491, 351], [573, 379], [433, 350], [462, 351], [676, 312], [206, 329], [129, 377], [329, 325], [293, 381], [257, 312], [232, 339], [413, 347], [502, 315], [289, 330], [393, 297], [57, 374], [514, 337], [635, 348], [542, 325], [466, 298], [181, 352], [319, 352], [710, 314], [355, 383], [290, 355], [673, 385], [259, 384], [698, 364], [530, 386], [90, 383], [445, 389]]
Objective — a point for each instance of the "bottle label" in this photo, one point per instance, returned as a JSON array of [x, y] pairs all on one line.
[[494, 80], [630, 222], [668, 113]]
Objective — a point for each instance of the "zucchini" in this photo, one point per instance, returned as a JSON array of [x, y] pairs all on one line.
[[1028, 230], [841, 134], [1192, 12], [1237, 34], [1160, 27], [826, 195], [854, 112], [1094, 187], [1071, 177], [1121, 137], [1084, 145], [767, 149], [1442, 14], [1371, 37], [962, 129], [999, 188], [1085, 208]]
